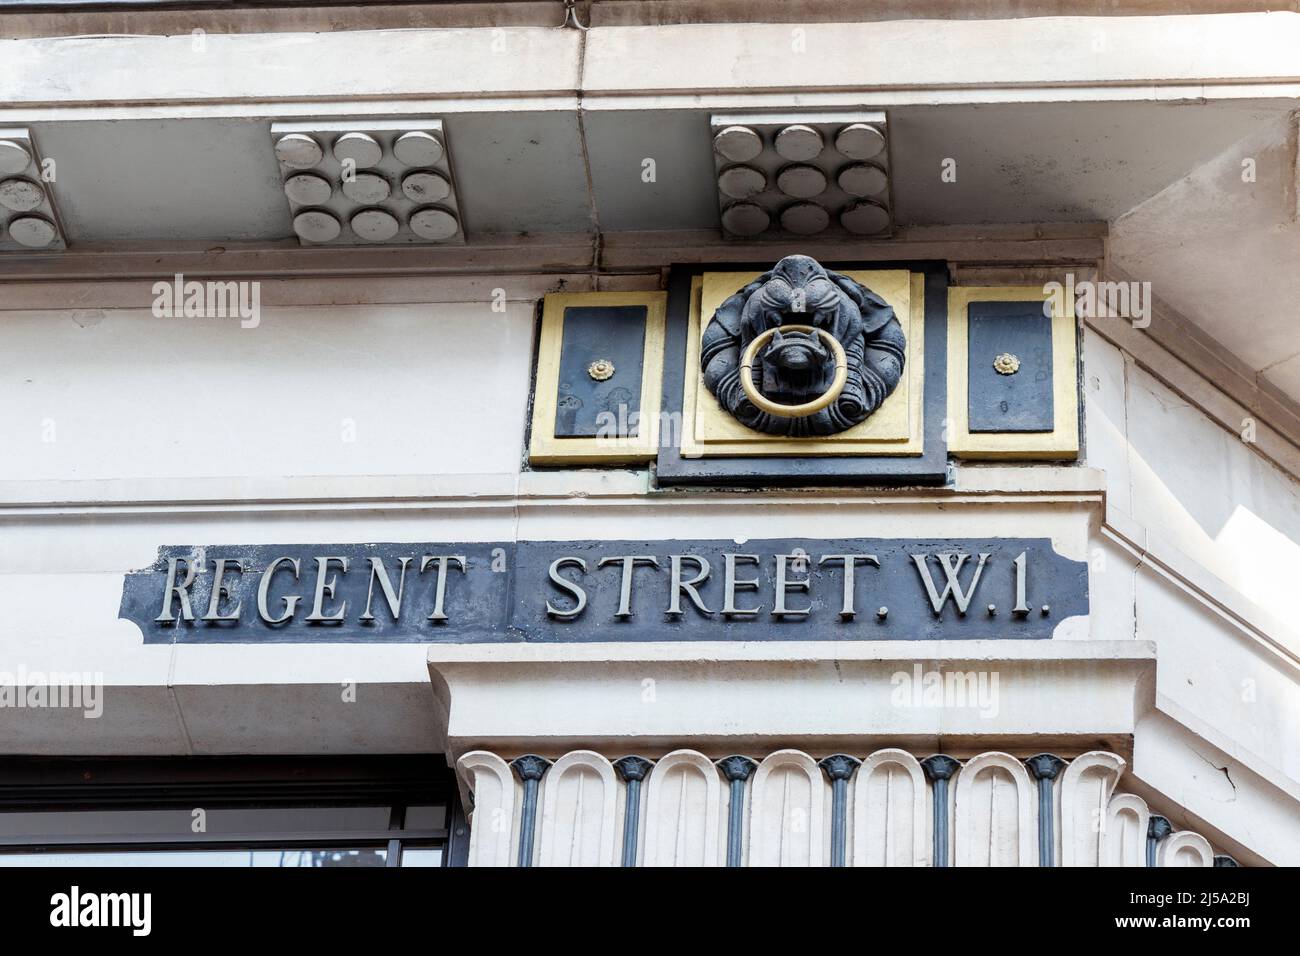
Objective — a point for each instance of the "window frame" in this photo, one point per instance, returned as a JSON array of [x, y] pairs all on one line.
[[72, 784]]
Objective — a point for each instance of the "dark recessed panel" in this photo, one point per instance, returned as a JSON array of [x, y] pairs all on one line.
[[1010, 362], [587, 403]]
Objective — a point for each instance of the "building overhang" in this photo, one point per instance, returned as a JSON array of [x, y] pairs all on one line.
[[579, 151], [822, 696], [556, 131]]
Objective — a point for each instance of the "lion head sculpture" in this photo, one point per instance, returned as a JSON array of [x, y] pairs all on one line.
[[795, 367]]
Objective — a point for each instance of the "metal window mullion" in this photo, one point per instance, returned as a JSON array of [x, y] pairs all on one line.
[[456, 849], [396, 820]]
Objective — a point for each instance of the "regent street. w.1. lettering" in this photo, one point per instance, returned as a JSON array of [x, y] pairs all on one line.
[[588, 591]]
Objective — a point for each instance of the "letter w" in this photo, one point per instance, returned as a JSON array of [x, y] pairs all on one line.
[[952, 564]]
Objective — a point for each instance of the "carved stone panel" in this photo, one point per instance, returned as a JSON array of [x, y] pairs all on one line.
[[787, 821], [996, 813], [1185, 848], [578, 825], [494, 825], [683, 822], [1086, 788], [1126, 831], [891, 812], [787, 814], [802, 351]]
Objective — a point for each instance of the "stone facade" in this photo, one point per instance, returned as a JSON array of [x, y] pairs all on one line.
[[386, 392]]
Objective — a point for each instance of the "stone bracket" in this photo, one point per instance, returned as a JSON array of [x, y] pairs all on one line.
[[954, 696]]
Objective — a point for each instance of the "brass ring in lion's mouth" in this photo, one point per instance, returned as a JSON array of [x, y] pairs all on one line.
[[764, 403]]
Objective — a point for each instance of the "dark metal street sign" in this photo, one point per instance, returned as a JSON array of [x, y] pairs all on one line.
[[558, 591]]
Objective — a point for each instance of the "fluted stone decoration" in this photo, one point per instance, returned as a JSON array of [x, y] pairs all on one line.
[[1086, 791], [994, 812], [786, 809], [839, 768], [798, 367], [1127, 822], [1185, 848], [494, 802], [578, 812], [684, 804], [1158, 828], [633, 770], [940, 769], [787, 812], [1045, 767], [530, 768], [891, 813], [737, 770]]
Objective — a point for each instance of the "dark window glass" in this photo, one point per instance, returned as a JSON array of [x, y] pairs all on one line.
[[227, 812]]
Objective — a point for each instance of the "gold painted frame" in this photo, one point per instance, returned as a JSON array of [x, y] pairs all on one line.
[[543, 447], [1062, 442]]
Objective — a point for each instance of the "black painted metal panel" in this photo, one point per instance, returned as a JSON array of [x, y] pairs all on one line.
[[456, 852], [59, 783], [502, 594], [584, 406], [1021, 401]]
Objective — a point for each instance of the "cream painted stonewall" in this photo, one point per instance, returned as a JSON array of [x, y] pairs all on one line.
[[1158, 669]]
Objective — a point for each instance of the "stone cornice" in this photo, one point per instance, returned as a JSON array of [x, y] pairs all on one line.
[[122, 274]]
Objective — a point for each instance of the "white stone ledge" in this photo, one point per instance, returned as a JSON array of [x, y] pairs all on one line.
[[509, 61], [769, 652], [307, 492], [1027, 52], [507, 489], [1146, 57], [1070, 695], [1020, 479]]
